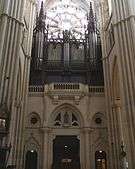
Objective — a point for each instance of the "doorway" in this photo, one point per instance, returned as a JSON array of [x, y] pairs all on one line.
[[31, 160], [100, 160], [66, 152]]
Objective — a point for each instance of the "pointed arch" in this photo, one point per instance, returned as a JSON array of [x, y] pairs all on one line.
[[32, 143], [69, 108], [32, 146]]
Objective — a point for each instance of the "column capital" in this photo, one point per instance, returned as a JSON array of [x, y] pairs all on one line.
[[86, 130], [46, 130]]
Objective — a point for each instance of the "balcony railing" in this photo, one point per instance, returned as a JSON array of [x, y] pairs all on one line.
[[36, 89], [96, 89], [67, 87]]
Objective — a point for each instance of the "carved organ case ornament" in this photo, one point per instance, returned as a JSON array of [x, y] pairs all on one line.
[[54, 52], [77, 52]]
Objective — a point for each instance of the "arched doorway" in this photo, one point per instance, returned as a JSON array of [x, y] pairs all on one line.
[[31, 160], [100, 160], [66, 152], [66, 143]]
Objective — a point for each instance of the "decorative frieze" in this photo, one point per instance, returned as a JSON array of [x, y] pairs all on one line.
[[66, 91]]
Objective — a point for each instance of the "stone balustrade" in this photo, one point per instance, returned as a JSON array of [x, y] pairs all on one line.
[[96, 89], [36, 89], [67, 87]]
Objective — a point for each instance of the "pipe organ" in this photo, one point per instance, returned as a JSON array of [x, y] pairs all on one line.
[[66, 58]]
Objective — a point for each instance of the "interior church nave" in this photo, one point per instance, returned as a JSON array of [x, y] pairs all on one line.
[[67, 84]]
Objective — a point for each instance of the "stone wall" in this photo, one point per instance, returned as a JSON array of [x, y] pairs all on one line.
[[16, 28], [119, 81], [87, 106]]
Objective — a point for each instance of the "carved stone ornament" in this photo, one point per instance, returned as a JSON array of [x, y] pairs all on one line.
[[3, 110]]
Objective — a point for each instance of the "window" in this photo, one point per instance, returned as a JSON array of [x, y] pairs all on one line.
[[31, 160], [67, 15], [110, 7], [98, 120], [34, 120], [66, 119]]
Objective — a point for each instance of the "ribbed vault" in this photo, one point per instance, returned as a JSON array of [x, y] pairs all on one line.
[[82, 3]]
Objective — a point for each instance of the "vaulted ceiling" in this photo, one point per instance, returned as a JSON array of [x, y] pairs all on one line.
[[83, 3]]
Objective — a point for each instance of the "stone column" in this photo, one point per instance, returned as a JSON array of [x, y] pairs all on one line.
[[50, 157], [117, 108], [10, 32], [124, 27], [47, 148], [24, 83], [82, 149], [86, 135], [123, 20], [87, 142], [107, 80], [66, 52], [66, 36], [122, 153], [115, 139], [11, 35]]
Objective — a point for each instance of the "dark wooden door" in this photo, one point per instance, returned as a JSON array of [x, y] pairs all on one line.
[[66, 152]]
